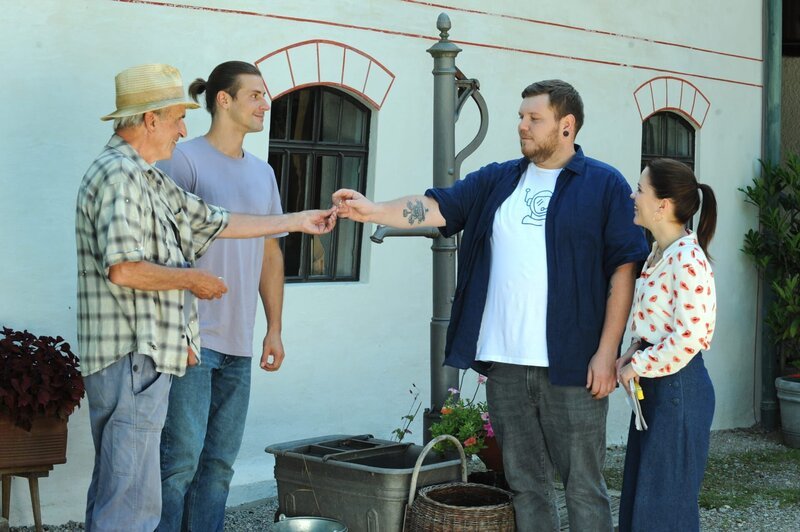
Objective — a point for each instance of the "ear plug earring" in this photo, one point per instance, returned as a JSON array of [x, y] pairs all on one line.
[[566, 133]]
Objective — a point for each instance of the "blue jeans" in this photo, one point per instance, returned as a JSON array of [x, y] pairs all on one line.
[[127, 406], [542, 428], [202, 436], [664, 465]]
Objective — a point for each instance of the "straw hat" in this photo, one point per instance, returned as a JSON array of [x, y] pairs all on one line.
[[148, 88]]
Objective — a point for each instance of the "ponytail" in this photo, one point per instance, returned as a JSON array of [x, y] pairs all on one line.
[[196, 88], [675, 180], [708, 218]]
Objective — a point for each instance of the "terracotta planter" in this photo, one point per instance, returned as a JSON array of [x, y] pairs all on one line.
[[45, 444], [491, 456]]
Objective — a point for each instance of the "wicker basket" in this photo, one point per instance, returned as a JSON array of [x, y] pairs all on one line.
[[457, 506]]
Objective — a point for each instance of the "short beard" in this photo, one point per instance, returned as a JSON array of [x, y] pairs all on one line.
[[542, 151]]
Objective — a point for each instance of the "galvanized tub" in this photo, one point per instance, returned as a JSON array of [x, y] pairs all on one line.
[[358, 480], [308, 524]]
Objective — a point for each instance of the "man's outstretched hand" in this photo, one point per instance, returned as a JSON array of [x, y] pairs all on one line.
[[352, 204], [317, 222]]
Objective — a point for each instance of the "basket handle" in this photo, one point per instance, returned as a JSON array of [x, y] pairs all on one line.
[[413, 489]]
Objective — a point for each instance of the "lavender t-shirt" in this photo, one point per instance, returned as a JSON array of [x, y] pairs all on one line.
[[241, 185]]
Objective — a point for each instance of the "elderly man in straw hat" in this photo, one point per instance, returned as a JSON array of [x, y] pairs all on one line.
[[138, 236]]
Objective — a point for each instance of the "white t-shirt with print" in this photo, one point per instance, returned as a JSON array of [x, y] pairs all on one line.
[[514, 323]]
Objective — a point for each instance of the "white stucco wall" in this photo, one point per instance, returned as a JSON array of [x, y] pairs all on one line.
[[353, 349]]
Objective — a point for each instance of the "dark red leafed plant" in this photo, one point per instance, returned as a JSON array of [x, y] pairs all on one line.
[[39, 377]]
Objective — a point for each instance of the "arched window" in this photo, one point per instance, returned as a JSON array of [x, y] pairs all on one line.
[[666, 134], [318, 144]]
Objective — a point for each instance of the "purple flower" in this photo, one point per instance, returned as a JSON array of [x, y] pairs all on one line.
[[453, 390], [482, 379]]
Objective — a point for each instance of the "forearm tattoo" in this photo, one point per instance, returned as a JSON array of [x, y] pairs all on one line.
[[415, 212]]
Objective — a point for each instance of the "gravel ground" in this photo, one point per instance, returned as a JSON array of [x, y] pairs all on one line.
[[765, 515]]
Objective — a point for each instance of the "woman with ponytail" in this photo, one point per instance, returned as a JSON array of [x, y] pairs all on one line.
[[672, 322]]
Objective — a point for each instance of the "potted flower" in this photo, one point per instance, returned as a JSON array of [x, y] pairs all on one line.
[[40, 386], [404, 429], [468, 421], [775, 249]]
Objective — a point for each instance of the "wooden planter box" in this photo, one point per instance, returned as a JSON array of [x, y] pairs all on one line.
[[45, 444]]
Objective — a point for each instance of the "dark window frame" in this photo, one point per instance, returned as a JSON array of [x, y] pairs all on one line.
[[315, 148], [791, 28], [666, 119]]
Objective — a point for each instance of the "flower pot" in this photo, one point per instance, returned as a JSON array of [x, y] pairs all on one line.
[[489, 478], [45, 444], [491, 456], [789, 398]]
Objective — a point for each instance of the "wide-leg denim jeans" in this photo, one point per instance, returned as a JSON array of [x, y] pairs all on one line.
[[540, 425], [201, 438], [665, 465]]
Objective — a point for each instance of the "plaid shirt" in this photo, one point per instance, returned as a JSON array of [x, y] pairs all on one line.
[[130, 211]]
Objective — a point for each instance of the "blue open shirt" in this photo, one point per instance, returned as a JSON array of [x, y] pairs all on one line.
[[589, 232]]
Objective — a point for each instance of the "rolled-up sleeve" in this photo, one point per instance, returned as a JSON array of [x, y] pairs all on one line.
[[456, 201], [118, 223], [624, 241]]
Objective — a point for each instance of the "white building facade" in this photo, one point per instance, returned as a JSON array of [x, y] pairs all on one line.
[[684, 76]]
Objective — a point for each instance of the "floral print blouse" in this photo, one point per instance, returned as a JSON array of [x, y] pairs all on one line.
[[674, 308]]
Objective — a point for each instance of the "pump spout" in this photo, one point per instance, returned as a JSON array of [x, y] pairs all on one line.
[[382, 231]]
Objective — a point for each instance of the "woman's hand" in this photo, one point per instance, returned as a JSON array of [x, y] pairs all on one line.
[[626, 357], [625, 375]]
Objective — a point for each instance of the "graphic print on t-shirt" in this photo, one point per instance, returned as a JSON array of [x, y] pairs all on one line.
[[537, 203], [514, 322]]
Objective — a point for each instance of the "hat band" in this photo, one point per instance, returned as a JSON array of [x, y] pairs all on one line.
[[151, 96]]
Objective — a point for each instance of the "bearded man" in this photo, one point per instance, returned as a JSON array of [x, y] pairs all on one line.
[[547, 262]]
